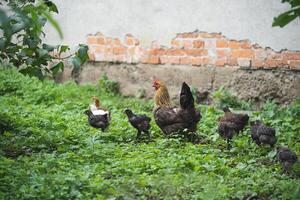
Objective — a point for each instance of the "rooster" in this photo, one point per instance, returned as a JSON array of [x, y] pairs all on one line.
[[140, 122], [287, 158], [231, 123], [97, 117], [262, 134], [171, 119]]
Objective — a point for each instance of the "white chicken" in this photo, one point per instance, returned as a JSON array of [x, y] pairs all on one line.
[[95, 107]]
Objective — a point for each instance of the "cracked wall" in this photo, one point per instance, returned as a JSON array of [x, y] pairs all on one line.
[[258, 85]]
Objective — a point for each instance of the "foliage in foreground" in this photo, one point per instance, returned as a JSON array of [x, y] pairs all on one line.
[[48, 151], [21, 45], [285, 18]]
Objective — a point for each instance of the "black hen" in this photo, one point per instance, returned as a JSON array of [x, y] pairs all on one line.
[[97, 121], [170, 119], [140, 122], [230, 124], [262, 134], [287, 158]]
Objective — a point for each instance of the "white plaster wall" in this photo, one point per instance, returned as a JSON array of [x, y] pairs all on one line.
[[160, 20]]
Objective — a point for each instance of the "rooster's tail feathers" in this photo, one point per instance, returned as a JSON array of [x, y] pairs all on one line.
[[186, 96]]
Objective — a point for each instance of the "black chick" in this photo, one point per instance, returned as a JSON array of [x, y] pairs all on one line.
[[262, 134], [97, 121], [140, 122], [287, 158], [227, 131], [230, 124]]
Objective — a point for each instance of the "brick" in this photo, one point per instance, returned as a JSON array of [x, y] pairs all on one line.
[[117, 42], [100, 40], [232, 62], [174, 60], [291, 55], [210, 35], [260, 54], [99, 49], [273, 63], [154, 60], [220, 62], [234, 44], [185, 60], [196, 52], [120, 58], [175, 43], [119, 50], [197, 61], [294, 64], [235, 53], [164, 59], [187, 44], [222, 43], [246, 53], [198, 44], [221, 53], [151, 60], [176, 52], [210, 44], [129, 41], [91, 39], [187, 35], [108, 50], [206, 61], [245, 44], [153, 52], [243, 62], [257, 63]]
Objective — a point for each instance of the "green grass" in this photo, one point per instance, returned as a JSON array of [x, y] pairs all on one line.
[[48, 151]]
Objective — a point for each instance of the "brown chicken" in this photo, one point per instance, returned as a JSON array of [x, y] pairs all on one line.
[[171, 119], [231, 123]]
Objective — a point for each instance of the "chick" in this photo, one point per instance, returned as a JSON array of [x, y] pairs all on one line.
[[262, 134], [231, 124], [139, 122], [287, 158], [97, 121]]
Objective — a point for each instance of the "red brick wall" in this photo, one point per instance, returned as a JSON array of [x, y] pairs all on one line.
[[195, 48]]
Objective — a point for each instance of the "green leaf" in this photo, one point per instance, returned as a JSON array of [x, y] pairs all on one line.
[[283, 19], [50, 47], [82, 53], [63, 48], [52, 7], [57, 67], [76, 62], [53, 23]]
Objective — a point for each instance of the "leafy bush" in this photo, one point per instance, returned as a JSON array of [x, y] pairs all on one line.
[[108, 85], [225, 98], [21, 44], [48, 150]]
